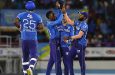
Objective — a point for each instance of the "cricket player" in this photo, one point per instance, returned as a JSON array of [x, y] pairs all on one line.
[[66, 30], [55, 55], [79, 39], [28, 23]]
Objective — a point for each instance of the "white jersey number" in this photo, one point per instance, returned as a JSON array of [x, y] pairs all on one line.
[[29, 25]]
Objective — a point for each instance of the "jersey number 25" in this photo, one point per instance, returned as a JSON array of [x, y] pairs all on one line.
[[29, 25]]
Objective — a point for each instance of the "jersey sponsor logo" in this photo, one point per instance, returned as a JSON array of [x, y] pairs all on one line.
[[30, 16], [66, 30], [61, 28]]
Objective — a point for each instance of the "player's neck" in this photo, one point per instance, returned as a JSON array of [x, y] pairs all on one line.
[[29, 11]]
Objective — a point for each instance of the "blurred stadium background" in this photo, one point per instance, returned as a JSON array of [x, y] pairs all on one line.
[[100, 53]]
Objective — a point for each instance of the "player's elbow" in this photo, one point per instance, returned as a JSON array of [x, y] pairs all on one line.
[[17, 25]]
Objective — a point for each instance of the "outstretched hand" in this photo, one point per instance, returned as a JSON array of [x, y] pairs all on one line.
[[63, 9], [57, 4]]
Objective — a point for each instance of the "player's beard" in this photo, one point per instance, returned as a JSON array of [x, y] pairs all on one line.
[[81, 19]]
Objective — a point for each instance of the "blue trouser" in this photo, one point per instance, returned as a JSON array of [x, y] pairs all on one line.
[[55, 57], [29, 50], [65, 55], [80, 51]]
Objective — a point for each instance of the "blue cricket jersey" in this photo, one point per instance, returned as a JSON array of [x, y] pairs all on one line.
[[81, 25], [52, 26], [66, 31], [28, 24]]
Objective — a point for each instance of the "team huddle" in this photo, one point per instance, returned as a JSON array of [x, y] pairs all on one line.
[[67, 39]]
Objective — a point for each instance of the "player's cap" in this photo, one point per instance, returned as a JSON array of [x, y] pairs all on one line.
[[30, 5], [85, 14]]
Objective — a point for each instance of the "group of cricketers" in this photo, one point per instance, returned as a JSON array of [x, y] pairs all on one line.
[[67, 38]]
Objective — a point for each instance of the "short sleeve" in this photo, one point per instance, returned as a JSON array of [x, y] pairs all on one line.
[[39, 19], [84, 27], [19, 16]]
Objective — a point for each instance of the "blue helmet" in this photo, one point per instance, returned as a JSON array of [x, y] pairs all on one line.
[[30, 5]]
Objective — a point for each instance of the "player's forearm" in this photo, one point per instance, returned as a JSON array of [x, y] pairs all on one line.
[[17, 25], [80, 34], [69, 21], [59, 12], [59, 20], [76, 37]]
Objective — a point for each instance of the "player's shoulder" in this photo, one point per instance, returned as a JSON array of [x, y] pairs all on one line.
[[37, 15], [48, 22], [20, 14], [84, 23]]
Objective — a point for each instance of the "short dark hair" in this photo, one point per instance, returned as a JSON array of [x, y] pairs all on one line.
[[48, 13]]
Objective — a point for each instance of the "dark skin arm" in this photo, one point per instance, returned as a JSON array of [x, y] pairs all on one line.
[[16, 22], [40, 27]]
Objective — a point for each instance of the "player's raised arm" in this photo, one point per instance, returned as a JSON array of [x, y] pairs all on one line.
[[58, 20], [59, 17], [69, 21], [53, 20]]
